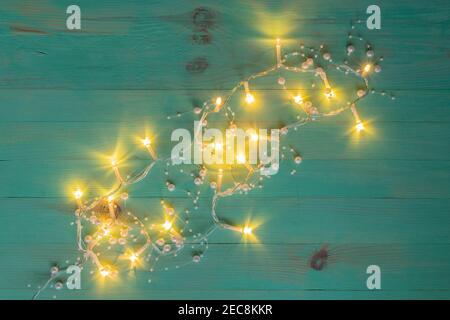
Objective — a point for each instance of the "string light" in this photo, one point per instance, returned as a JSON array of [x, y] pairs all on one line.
[[247, 230], [359, 127], [367, 68], [151, 241], [254, 137], [219, 104], [147, 143], [133, 258], [329, 93], [167, 225], [105, 273], [298, 99], [249, 98], [278, 52], [218, 146], [78, 194], [219, 181], [240, 158]]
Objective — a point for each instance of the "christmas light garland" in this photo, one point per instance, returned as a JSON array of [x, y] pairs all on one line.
[[115, 227]]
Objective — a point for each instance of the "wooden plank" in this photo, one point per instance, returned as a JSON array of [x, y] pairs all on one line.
[[153, 37], [257, 270], [327, 140], [136, 106], [316, 178], [284, 220]]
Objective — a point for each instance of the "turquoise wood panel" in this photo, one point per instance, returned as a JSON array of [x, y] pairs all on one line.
[[68, 96]]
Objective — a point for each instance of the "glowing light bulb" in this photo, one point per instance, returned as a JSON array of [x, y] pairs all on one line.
[[218, 101], [114, 162], [240, 158], [298, 99], [78, 194], [278, 52], [146, 141], [254, 137], [218, 146], [329, 93], [133, 257], [249, 98], [247, 230], [367, 68], [110, 198], [359, 127], [104, 273], [167, 225]]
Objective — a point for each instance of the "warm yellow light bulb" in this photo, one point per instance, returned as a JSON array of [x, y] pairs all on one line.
[[367, 67], [110, 198], [254, 137], [133, 257], [78, 194], [240, 158], [104, 273], [249, 98], [329, 93], [167, 225], [359, 127], [146, 141], [218, 146], [247, 230], [218, 101], [298, 99], [114, 162]]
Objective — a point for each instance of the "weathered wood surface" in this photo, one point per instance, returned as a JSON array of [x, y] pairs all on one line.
[[67, 96]]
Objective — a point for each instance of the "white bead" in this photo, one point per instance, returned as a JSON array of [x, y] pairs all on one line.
[[54, 270], [350, 49]]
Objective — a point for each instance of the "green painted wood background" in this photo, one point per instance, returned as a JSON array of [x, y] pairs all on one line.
[[384, 200]]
